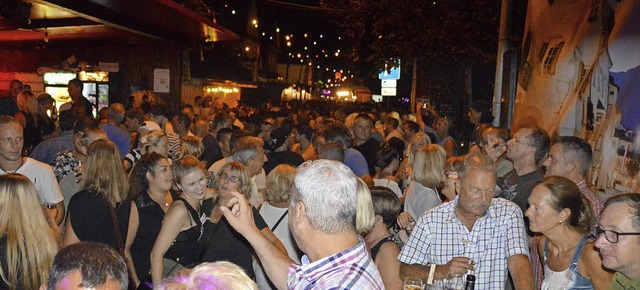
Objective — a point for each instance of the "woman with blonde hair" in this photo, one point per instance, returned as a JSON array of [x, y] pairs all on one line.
[[220, 241], [276, 214], [100, 211], [27, 116], [177, 244], [422, 193], [564, 217], [27, 244], [417, 142], [153, 141]]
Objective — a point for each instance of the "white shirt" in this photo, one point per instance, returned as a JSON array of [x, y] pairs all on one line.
[[43, 179]]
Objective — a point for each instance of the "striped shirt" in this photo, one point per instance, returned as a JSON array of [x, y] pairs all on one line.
[[349, 269], [439, 236]]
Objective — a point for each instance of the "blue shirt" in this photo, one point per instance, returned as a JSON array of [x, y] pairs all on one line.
[[118, 136], [356, 162], [46, 151]]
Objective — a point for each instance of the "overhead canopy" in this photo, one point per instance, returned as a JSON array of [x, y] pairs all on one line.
[[105, 20]]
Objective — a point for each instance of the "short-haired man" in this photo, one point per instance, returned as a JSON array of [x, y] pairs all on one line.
[[337, 132], [181, 128], [40, 174], [619, 240], [9, 104], [250, 152], [363, 141], [212, 150], [324, 226], [282, 154], [117, 135], [527, 148], [475, 232], [80, 105], [570, 157], [87, 265]]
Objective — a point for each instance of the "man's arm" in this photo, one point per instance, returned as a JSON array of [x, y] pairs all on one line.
[[520, 272], [457, 267], [240, 216]]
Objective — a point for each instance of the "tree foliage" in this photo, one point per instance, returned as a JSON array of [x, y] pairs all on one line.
[[426, 29]]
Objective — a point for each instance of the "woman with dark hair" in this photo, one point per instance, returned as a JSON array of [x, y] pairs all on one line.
[[380, 241], [150, 180], [100, 212], [563, 215], [388, 159], [27, 243], [176, 246]]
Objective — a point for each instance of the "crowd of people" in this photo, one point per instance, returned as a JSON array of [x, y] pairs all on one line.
[[298, 196]]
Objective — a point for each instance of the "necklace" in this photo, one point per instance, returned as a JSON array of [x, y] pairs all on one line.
[[160, 201], [14, 171]]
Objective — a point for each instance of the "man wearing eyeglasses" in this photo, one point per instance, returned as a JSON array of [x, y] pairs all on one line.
[[619, 240], [527, 148]]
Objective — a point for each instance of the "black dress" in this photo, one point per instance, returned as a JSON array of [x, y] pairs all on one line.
[[220, 242], [150, 216], [91, 218], [184, 248]]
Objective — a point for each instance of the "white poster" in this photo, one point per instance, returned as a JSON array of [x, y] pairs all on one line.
[[161, 80]]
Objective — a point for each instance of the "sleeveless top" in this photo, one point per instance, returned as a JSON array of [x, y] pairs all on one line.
[[184, 248], [570, 278], [376, 248]]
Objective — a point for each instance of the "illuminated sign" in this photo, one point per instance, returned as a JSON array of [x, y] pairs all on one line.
[[96, 76], [58, 78]]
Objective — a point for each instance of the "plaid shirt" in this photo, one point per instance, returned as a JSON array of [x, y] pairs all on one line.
[[439, 236], [349, 269]]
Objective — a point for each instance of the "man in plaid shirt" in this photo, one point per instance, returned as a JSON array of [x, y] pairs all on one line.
[[474, 234], [328, 209]]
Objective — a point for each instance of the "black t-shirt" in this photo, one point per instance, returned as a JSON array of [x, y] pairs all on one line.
[[220, 242], [369, 149], [518, 188], [92, 221], [8, 106], [212, 151], [285, 157]]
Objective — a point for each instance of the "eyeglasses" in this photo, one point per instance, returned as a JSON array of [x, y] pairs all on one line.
[[612, 236], [231, 178]]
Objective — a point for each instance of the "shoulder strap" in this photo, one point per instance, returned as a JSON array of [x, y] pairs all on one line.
[[117, 228], [576, 254], [279, 220], [192, 211], [375, 249], [546, 249]]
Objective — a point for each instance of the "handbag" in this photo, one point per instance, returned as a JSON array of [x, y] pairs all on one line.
[[132, 284]]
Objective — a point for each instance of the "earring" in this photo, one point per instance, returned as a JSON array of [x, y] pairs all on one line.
[[559, 222]]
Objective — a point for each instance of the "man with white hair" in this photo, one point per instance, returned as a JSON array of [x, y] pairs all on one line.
[[325, 226]]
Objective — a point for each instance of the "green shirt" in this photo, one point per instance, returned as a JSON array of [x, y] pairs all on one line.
[[621, 282]]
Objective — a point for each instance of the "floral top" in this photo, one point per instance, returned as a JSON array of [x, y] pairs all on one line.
[[64, 163]]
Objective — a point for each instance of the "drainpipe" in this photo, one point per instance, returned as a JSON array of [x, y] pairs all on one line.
[[503, 47]]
